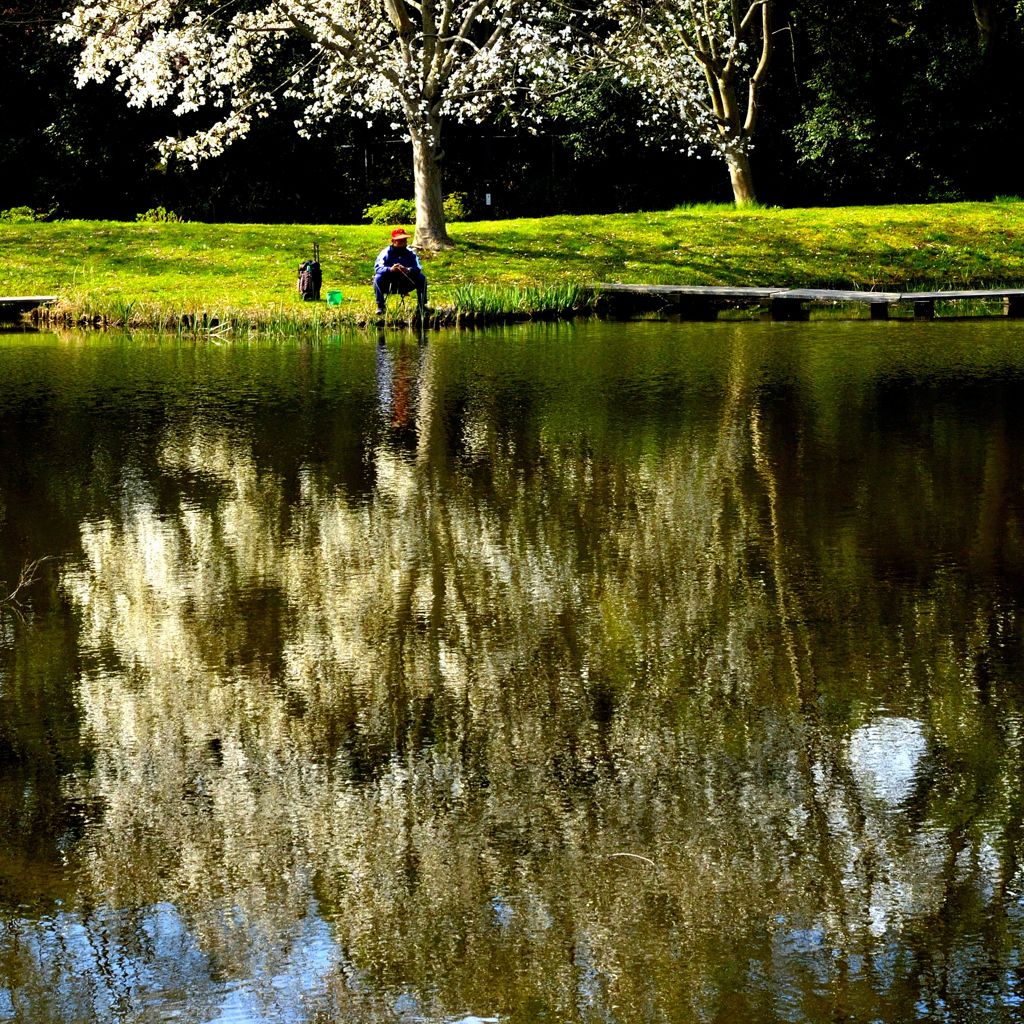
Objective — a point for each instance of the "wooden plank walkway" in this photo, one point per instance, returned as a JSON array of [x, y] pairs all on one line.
[[12, 306], [699, 302], [703, 302]]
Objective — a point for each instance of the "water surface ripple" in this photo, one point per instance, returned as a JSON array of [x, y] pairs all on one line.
[[618, 673]]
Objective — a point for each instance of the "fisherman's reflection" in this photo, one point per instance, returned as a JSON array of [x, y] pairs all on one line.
[[398, 389]]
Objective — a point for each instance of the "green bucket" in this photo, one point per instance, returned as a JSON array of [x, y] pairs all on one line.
[[334, 298]]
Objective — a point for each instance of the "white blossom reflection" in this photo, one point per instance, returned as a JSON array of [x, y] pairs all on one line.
[[542, 721]]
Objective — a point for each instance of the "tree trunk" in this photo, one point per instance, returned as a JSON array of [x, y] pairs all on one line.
[[431, 230], [741, 176], [985, 19]]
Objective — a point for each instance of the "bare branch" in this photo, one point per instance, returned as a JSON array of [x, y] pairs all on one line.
[[26, 578], [752, 11], [761, 70]]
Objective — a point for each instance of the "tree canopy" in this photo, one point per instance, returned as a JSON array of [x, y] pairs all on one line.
[[701, 66], [413, 64], [920, 108]]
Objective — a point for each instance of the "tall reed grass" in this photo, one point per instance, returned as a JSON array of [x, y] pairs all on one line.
[[472, 304], [495, 303]]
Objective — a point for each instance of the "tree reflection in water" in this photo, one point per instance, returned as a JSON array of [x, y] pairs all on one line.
[[673, 677]]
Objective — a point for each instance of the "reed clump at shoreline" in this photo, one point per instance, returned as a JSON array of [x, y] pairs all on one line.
[[473, 305], [191, 277]]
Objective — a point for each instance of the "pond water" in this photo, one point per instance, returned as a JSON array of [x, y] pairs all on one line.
[[619, 673]]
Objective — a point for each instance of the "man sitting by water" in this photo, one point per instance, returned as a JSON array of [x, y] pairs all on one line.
[[398, 271]]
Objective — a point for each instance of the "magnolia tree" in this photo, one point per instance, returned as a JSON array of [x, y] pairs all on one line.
[[410, 63], [701, 63]]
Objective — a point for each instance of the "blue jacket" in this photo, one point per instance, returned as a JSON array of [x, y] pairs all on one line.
[[392, 254]]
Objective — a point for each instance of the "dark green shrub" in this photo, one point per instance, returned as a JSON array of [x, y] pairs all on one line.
[[391, 211], [403, 211], [20, 215], [159, 215], [455, 206]]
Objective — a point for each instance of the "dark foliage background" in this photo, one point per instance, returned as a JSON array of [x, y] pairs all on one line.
[[868, 101]]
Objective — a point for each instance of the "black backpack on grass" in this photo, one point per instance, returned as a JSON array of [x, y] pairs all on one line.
[[310, 277]]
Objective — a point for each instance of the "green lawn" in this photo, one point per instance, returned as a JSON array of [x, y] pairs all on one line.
[[109, 267]]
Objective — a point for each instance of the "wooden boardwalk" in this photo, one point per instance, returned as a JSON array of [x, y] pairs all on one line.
[[12, 306], [703, 302], [698, 302]]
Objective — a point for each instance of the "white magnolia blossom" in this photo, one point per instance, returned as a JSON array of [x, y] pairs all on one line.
[[701, 64], [414, 62]]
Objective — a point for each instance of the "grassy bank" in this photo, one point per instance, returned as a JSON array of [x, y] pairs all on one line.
[[244, 274]]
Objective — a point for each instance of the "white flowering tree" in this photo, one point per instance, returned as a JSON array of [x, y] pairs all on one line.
[[702, 64], [411, 63]]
